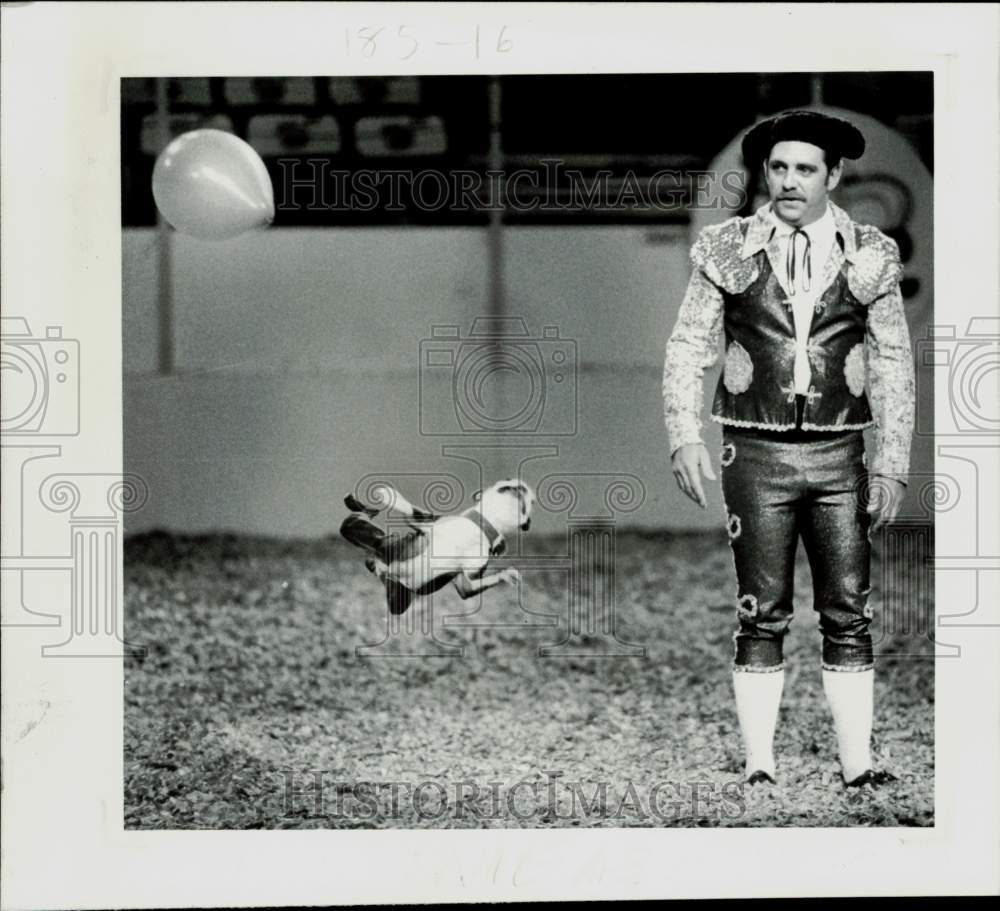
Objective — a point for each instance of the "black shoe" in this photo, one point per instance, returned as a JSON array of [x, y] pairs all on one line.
[[759, 777], [875, 779], [355, 505]]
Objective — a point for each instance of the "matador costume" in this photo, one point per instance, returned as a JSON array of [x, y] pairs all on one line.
[[793, 456]]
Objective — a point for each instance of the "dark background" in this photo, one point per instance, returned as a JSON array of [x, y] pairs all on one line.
[[624, 122]]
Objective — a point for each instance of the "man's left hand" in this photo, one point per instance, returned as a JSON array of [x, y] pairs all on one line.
[[885, 495]]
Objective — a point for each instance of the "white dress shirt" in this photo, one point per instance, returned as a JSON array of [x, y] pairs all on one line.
[[806, 291]]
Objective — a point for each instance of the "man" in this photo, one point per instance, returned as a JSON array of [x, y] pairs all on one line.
[[810, 308]]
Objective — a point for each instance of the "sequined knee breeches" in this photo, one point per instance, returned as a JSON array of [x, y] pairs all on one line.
[[779, 487]]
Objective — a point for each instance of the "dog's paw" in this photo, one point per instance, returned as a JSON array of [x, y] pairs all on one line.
[[510, 576]]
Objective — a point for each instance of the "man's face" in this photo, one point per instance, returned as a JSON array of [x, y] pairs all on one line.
[[798, 181]]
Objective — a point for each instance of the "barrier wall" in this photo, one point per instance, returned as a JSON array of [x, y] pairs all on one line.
[[307, 360]]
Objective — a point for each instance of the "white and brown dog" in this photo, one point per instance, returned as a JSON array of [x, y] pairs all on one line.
[[437, 550]]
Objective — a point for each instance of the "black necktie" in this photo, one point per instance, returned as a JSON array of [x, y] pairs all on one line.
[[807, 260]]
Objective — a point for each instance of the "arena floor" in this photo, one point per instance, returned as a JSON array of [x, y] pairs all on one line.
[[253, 709]]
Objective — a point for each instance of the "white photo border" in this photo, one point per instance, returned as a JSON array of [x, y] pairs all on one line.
[[63, 840]]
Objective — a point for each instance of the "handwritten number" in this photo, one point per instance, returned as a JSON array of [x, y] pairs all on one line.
[[405, 37], [369, 35]]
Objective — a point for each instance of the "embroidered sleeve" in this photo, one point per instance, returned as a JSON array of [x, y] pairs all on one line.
[[692, 347], [891, 384], [876, 269]]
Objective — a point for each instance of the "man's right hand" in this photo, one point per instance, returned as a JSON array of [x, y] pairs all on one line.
[[689, 463]]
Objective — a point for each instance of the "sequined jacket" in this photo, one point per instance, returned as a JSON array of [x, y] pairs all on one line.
[[858, 348]]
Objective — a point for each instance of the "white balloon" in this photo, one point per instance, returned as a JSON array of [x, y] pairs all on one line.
[[212, 185]]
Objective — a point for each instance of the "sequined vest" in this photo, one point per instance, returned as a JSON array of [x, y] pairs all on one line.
[[757, 386]]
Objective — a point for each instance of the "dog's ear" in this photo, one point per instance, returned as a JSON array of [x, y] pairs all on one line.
[[477, 496]]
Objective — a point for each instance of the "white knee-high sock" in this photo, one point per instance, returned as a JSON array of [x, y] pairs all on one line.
[[758, 697], [851, 698]]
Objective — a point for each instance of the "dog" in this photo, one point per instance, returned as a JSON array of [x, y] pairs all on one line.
[[439, 549]]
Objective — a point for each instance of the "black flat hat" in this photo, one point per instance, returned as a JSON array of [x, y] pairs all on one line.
[[835, 136]]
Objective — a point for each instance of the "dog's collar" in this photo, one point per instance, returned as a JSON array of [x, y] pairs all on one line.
[[497, 543]]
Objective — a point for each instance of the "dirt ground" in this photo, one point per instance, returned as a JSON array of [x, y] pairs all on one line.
[[271, 695]]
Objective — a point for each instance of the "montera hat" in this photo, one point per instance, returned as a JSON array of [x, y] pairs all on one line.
[[837, 137]]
